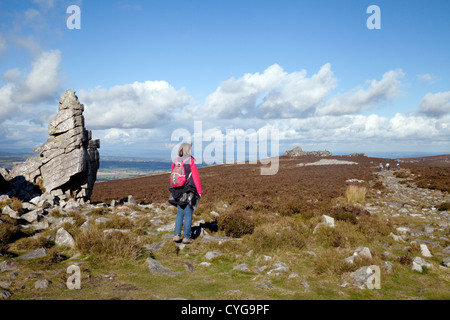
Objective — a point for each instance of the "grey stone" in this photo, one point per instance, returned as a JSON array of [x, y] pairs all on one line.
[[212, 254], [363, 252], [326, 221], [8, 265], [32, 216], [10, 212], [241, 267], [214, 213], [131, 200], [38, 253], [41, 225], [64, 238], [278, 268], [424, 251], [446, 262], [5, 284], [42, 284], [5, 294], [418, 264], [427, 229], [155, 267], [362, 277]]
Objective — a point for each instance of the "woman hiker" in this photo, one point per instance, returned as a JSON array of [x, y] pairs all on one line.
[[185, 197]]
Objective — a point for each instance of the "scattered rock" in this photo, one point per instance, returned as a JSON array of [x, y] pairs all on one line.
[[212, 254], [155, 267], [427, 229], [424, 250], [397, 238], [418, 264], [10, 212], [446, 262], [205, 264], [64, 238], [362, 277], [214, 214], [241, 267], [279, 267], [326, 221], [5, 294], [42, 284], [38, 253], [8, 265], [5, 284]]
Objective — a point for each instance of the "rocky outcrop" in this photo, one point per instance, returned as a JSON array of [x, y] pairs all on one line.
[[298, 152], [68, 161]]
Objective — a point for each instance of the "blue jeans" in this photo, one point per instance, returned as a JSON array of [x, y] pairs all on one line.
[[185, 214]]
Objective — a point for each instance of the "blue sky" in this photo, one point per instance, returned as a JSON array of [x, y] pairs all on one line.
[[310, 69]]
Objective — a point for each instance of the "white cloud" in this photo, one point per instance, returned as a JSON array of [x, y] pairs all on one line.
[[435, 104], [6, 100], [272, 94], [364, 99], [43, 82], [138, 105], [40, 85]]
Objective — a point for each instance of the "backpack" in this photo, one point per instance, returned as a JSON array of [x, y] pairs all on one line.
[[178, 175]]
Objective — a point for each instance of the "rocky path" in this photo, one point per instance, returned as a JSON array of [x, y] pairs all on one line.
[[408, 200]]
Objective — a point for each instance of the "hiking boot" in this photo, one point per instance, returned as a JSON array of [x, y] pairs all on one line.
[[176, 238], [187, 240]]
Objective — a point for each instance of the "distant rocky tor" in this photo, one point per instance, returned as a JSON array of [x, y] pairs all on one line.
[[298, 152], [68, 161]]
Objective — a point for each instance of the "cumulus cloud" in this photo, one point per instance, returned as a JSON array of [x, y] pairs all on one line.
[[138, 105], [40, 85], [277, 94], [272, 94], [43, 82], [435, 104], [364, 99]]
